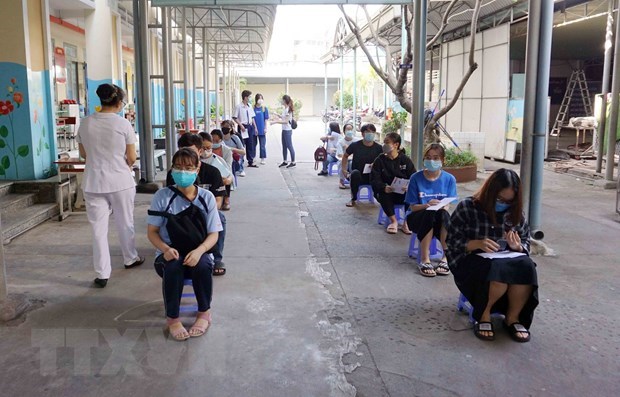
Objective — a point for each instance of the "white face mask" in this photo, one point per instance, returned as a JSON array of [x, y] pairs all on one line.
[[207, 154], [260, 102]]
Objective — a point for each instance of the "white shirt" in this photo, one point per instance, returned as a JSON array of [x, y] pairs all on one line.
[[286, 117], [105, 137], [244, 113], [343, 144]]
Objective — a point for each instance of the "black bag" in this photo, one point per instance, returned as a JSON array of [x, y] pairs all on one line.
[[320, 154], [187, 229], [293, 123]]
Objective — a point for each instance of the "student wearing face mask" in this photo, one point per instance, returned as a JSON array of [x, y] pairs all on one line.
[[364, 153], [262, 115], [393, 163], [234, 143], [183, 253], [244, 117], [217, 158], [332, 138], [427, 188], [344, 142]]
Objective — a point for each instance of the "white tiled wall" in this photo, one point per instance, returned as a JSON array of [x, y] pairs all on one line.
[[473, 141]]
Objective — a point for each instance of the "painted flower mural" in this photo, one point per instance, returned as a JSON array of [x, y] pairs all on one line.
[[7, 109]]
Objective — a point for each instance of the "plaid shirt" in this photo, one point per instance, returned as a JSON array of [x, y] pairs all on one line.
[[468, 222]]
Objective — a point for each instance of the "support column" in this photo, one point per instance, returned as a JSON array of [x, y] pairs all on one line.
[[104, 55], [417, 92], [342, 87], [217, 87], [355, 88], [609, 36], [194, 78], [325, 94], [613, 118], [205, 79], [171, 144], [225, 89], [27, 127], [185, 68]]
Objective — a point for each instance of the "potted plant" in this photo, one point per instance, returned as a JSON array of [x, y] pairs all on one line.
[[463, 164], [395, 123]]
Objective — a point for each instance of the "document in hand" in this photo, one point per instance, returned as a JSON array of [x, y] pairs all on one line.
[[399, 185], [367, 169], [501, 254], [441, 204]]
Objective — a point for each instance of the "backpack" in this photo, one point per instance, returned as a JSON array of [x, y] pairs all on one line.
[[187, 229], [320, 155]]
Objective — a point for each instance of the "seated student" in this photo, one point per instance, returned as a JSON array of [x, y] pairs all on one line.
[[364, 153], [490, 221], [210, 157], [216, 138], [426, 188], [332, 138], [234, 143], [183, 253], [393, 163], [210, 178], [344, 142]]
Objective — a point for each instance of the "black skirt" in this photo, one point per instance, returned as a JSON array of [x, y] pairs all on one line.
[[423, 221], [474, 273]]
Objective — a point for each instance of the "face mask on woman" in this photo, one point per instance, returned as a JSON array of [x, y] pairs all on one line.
[[348, 133], [501, 207], [216, 145], [207, 154], [432, 165], [369, 136], [184, 178], [260, 102], [387, 148]]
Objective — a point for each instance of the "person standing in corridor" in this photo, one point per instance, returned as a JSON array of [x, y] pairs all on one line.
[[108, 144], [244, 117], [287, 131], [262, 115]]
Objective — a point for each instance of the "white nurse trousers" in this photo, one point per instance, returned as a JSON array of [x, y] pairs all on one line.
[[98, 207]]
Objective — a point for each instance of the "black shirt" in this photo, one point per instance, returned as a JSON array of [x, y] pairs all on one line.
[[363, 154], [385, 169], [209, 177]]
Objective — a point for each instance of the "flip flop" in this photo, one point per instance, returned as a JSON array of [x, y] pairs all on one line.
[[176, 330], [442, 268], [391, 229], [427, 269], [406, 230], [514, 329], [199, 328], [484, 326]]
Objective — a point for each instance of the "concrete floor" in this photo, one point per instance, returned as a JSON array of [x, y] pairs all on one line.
[[318, 301]]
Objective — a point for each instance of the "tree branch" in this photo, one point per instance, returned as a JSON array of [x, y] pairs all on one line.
[[444, 23]]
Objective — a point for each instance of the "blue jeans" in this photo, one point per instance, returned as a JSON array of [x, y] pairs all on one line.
[[330, 159], [219, 247], [287, 143], [173, 273], [262, 139]]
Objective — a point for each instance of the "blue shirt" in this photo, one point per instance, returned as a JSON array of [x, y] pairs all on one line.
[[261, 118], [421, 190], [162, 198]]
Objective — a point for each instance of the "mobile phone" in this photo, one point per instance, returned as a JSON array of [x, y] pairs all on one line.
[[503, 244]]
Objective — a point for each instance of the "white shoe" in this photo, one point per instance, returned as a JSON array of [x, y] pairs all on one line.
[[263, 162], [242, 173]]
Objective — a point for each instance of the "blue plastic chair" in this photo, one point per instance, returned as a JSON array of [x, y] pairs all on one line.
[[463, 304], [399, 211], [435, 250], [190, 307], [330, 168], [365, 193]]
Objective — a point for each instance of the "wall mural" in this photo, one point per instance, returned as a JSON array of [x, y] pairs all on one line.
[[9, 109]]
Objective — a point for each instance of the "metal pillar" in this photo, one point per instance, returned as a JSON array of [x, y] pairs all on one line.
[[417, 99], [385, 86], [540, 118], [217, 87], [342, 86], [194, 93], [613, 118], [185, 67], [205, 80], [609, 35], [355, 88], [145, 135], [325, 93], [168, 78]]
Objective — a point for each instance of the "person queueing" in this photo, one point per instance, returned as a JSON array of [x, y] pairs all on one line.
[[332, 138], [343, 144], [221, 157], [364, 153], [427, 188], [262, 115], [392, 164], [209, 178], [244, 117], [234, 143], [490, 221], [287, 131], [183, 253], [107, 142]]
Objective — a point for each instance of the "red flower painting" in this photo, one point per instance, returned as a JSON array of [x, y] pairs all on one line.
[[6, 107]]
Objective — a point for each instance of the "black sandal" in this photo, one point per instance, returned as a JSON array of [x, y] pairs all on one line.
[[484, 326], [219, 270], [516, 328]]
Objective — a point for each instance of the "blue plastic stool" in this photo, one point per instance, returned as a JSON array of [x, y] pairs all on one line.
[[188, 308], [330, 168], [365, 193], [435, 250], [464, 304], [399, 211]]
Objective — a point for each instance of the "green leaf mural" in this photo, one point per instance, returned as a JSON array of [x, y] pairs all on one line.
[[23, 150], [2, 172], [4, 132], [5, 162], [2, 144]]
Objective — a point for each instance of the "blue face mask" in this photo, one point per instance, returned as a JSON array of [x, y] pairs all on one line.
[[183, 178], [216, 145], [369, 136], [501, 207], [432, 165], [349, 133]]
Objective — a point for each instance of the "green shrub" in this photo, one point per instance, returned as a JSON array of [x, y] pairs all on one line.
[[456, 158]]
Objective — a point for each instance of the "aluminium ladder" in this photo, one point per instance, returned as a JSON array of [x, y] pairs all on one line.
[[578, 77]]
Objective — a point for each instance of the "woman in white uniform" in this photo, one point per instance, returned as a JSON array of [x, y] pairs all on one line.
[[108, 144]]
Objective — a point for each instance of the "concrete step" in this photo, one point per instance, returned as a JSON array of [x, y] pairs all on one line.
[[13, 202], [20, 221], [6, 188]]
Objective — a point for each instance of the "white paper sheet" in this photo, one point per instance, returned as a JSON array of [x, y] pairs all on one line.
[[399, 185], [441, 204], [501, 254], [244, 134], [367, 169]]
